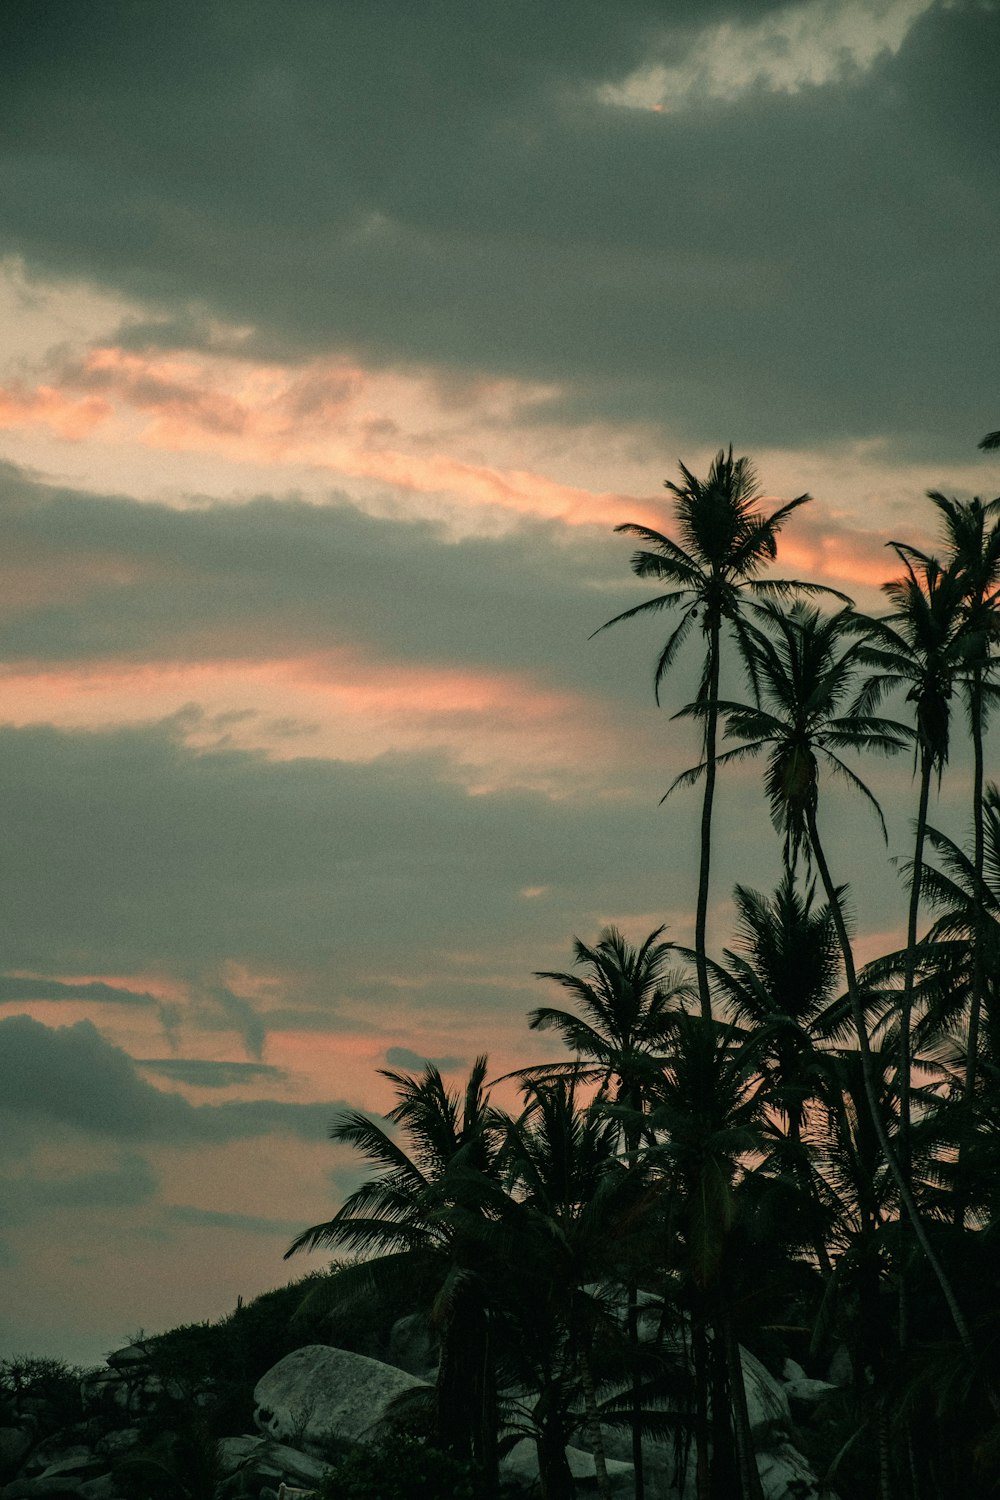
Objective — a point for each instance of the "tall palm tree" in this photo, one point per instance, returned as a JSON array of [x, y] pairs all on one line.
[[919, 648], [725, 541], [806, 670], [972, 538], [417, 1219], [990, 441]]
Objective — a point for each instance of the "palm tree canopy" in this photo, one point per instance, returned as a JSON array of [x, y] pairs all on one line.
[[806, 667], [725, 542], [920, 648], [626, 996]]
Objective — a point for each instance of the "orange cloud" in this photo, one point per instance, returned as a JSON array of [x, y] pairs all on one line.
[[69, 417], [333, 416]]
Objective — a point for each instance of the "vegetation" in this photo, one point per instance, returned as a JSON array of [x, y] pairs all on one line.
[[770, 1146]]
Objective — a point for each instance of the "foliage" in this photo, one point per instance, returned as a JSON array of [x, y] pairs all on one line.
[[400, 1468]]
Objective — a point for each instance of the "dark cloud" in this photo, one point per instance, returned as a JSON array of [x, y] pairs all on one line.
[[129, 1183], [73, 1076], [204, 1073], [441, 184], [16, 990], [268, 576], [211, 1218], [402, 1057]]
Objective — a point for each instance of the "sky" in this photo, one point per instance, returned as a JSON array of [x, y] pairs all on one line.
[[337, 339]]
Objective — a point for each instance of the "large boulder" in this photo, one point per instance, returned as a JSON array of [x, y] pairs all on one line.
[[520, 1467], [317, 1393]]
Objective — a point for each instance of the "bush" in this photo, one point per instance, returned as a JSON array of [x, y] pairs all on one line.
[[401, 1468], [46, 1387]]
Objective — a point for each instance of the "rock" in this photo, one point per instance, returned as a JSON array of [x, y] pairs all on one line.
[[131, 1355], [841, 1371], [411, 1347], [767, 1404], [232, 1452], [56, 1450], [40, 1487], [806, 1392], [105, 1487], [14, 1444], [521, 1467], [785, 1475], [317, 1393], [118, 1442], [791, 1371]]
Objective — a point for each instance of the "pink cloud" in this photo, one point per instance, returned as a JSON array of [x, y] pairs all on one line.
[[69, 417]]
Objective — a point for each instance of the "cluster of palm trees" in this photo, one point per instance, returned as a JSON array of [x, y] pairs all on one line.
[[768, 1147]]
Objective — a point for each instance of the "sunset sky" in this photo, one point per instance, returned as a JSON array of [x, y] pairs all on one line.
[[337, 337]]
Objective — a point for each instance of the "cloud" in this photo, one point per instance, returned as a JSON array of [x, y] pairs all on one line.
[[129, 1183], [206, 1073], [403, 1057], [16, 989], [451, 192], [73, 1076], [199, 1218]]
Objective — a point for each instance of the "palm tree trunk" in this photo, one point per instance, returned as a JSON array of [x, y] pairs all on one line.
[[699, 1351], [871, 1091], [910, 966], [595, 1437], [746, 1458], [978, 976], [705, 860]]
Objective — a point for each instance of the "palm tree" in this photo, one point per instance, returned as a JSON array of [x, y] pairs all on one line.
[[919, 648], [417, 1221], [707, 1118], [779, 989], [725, 541], [572, 1217], [990, 441], [806, 671], [627, 997], [972, 537]]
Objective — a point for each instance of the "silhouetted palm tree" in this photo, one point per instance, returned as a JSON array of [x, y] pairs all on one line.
[[991, 440], [627, 997], [972, 537], [920, 647], [725, 541], [806, 670], [417, 1218]]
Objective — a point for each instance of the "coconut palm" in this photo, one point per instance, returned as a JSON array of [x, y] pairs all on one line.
[[571, 1222], [626, 996], [725, 542], [990, 441], [707, 1118], [972, 538], [919, 648], [418, 1221], [806, 669]]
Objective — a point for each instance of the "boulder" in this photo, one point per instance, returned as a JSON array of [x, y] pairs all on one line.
[[317, 1393], [411, 1347], [14, 1444], [520, 1467]]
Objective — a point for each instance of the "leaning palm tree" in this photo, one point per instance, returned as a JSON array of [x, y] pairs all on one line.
[[417, 1223], [806, 670], [990, 441], [725, 541]]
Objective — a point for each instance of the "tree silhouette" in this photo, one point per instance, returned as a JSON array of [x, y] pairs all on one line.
[[725, 541]]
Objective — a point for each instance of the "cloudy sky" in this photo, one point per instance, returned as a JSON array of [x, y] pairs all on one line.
[[337, 337]]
